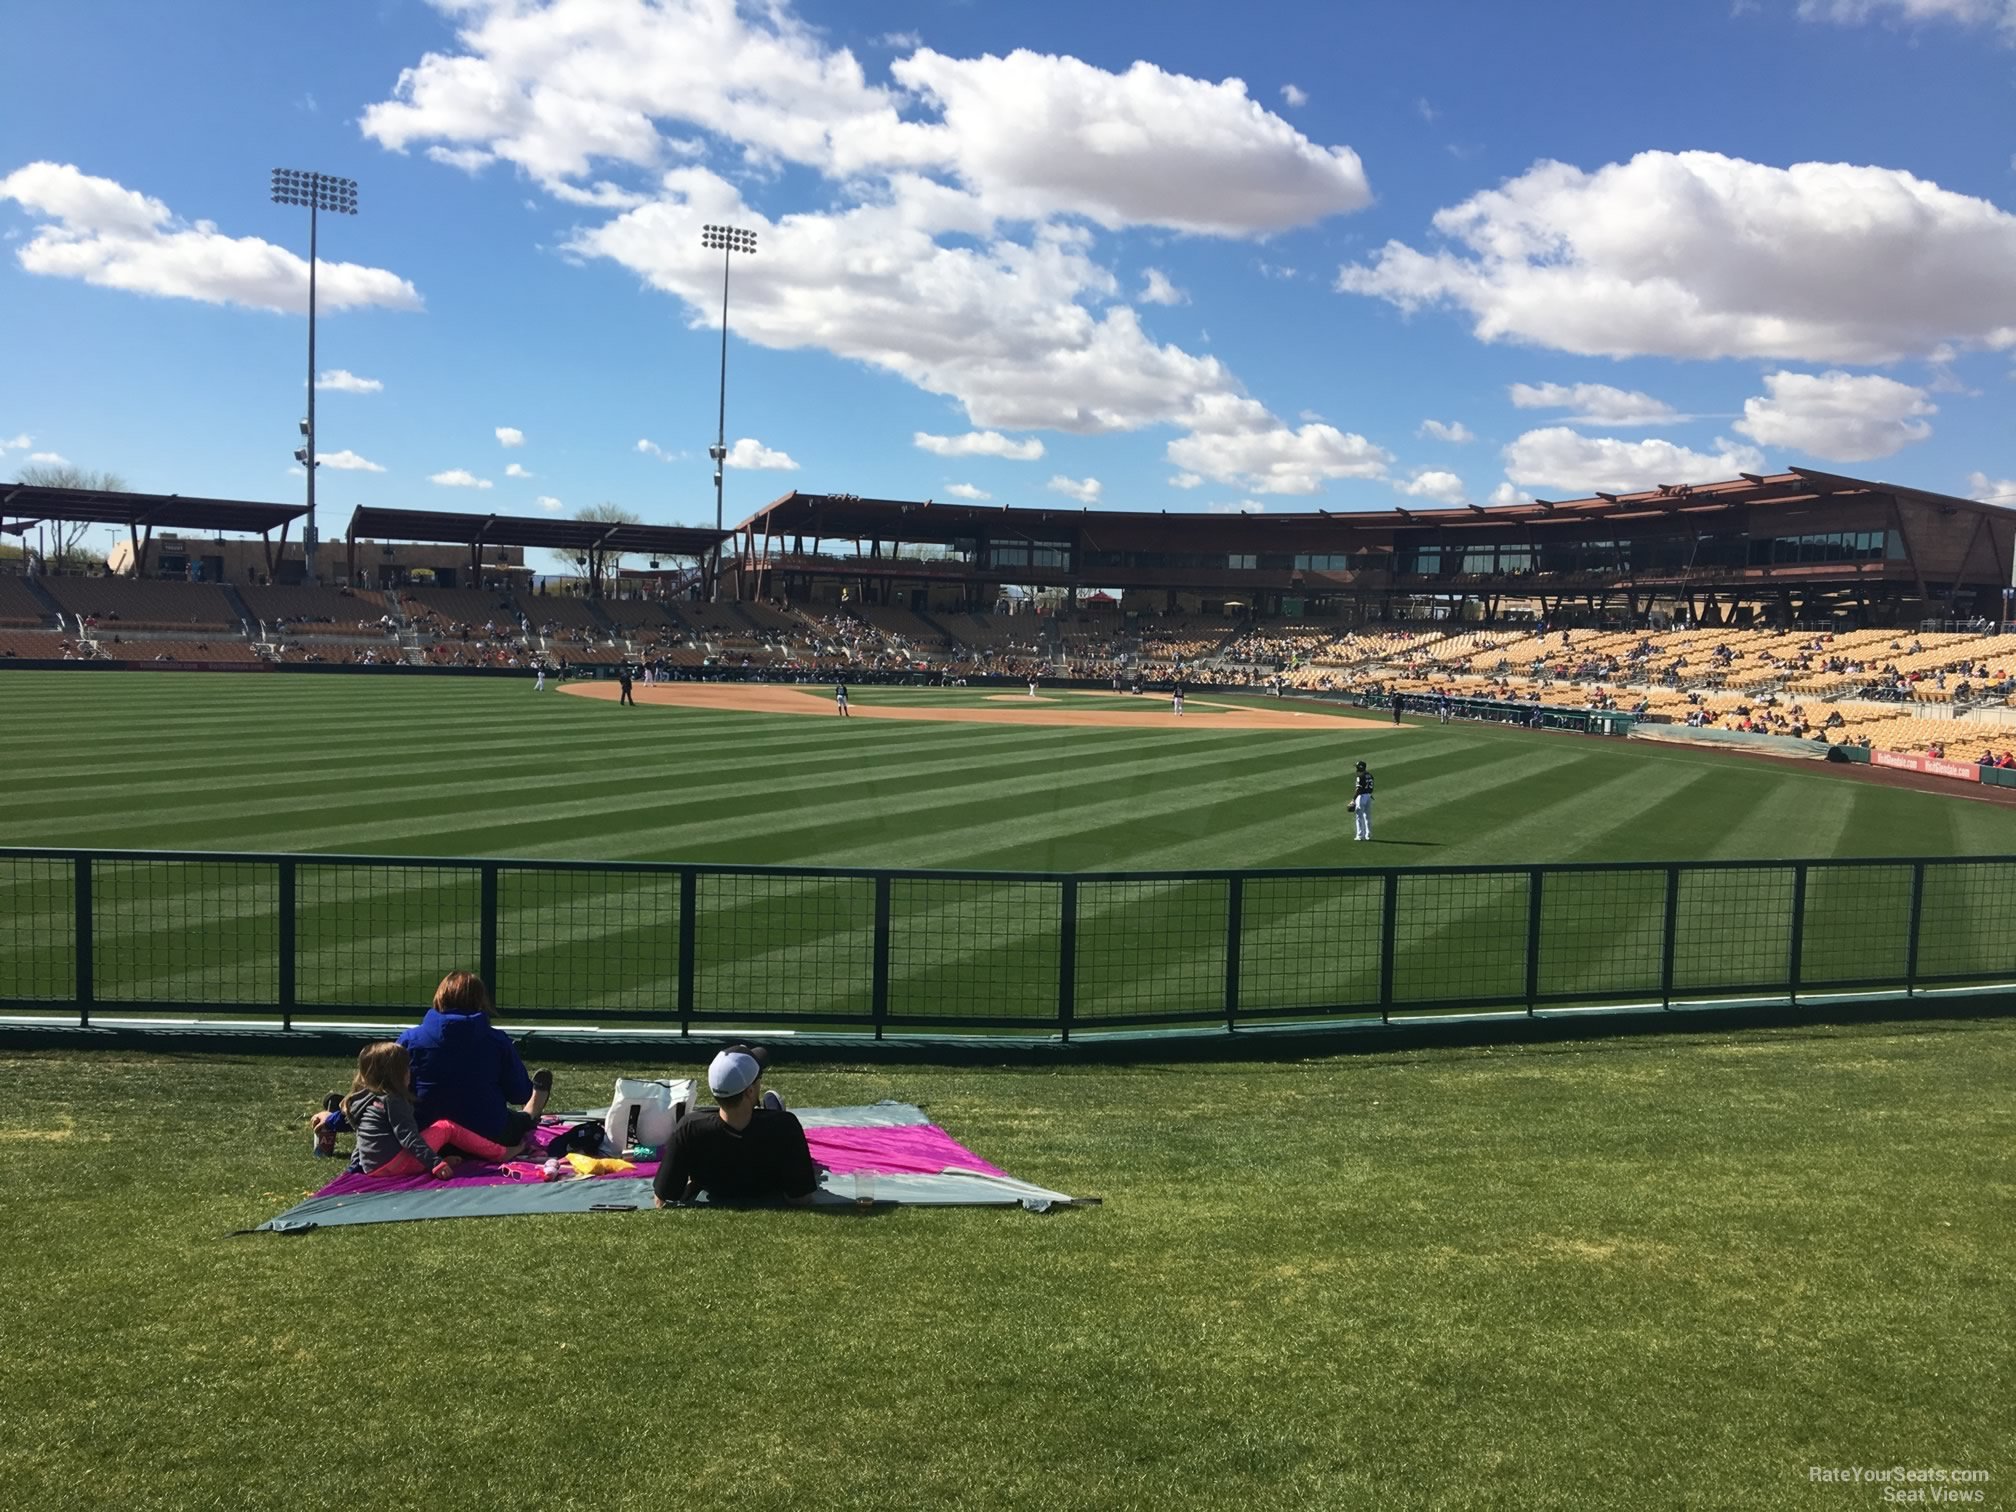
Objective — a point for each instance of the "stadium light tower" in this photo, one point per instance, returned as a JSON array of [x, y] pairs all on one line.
[[319, 192], [730, 240]]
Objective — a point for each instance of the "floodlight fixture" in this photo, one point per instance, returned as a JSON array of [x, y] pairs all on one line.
[[313, 192], [727, 240]]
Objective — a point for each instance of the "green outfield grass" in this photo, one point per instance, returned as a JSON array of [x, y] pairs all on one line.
[[1619, 1274], [455, 767]]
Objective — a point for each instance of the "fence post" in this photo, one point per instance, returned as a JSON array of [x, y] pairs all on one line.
[[878, 984], [83, 930], [287, 986], [1911, 940], [689, 892], [1389, 926], [487, 951], [1669, 945], [1533, 884], [1067, 957], [1235, 909], [1797, 950]]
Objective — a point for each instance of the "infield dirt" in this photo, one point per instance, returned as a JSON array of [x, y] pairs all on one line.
[[772, 698]]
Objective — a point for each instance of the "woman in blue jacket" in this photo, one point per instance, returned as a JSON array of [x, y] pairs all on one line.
[[467, 1071]]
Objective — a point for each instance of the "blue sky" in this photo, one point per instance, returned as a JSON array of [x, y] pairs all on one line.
[[1184, 257]]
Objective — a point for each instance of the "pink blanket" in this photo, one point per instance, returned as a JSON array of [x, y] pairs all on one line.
[[923, 1149]]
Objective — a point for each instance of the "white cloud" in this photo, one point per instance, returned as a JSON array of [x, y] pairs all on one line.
[[950, 248], [1084, 490], [1965, 12], [1186, 481], [1695, 254], [1842, 417], [17, 443], [1991, 490], [1156, 289], [515, 470], [1455, 432], [1424, 108], [346, 461], [1234, 440], [343, 381], [458, 477], [901, 41], [1434, 483], [1294, 96], [652, 449], [1599, 403], [979, 444], [297, 471], [510, 435], [104, 233], [751, 455], [471, 160], [1240, 506], [585, 81], [1505, 493], [1559, 458], [49, 459], [968, 491], [548, 502]]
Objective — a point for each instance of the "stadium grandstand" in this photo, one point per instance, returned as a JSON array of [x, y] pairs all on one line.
[[1800, 604]]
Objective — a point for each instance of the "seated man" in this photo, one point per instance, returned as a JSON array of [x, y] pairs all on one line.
[[746, 1149]]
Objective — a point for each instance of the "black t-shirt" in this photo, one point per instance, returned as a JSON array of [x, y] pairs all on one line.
[[765, 1160]]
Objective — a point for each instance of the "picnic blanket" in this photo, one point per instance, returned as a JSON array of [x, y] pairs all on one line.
[[891, 1148]]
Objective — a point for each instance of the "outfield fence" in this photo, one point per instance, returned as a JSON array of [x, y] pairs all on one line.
[[360, 938]]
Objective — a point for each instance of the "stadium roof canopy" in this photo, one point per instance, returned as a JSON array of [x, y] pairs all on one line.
[[24, 505], [849, 516], [477, 530]]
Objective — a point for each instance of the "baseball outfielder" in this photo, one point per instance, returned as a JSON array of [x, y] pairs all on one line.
[[1361, 803]]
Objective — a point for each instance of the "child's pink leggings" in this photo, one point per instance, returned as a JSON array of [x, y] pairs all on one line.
[[441, 1135]]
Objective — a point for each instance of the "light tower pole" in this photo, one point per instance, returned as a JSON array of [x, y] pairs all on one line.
[[730, 239], [319, 192]]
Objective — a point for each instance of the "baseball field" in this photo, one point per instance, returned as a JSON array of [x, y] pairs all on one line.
[[1622, 1273]]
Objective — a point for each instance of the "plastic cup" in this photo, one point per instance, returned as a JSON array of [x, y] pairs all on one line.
[[864, 1188]]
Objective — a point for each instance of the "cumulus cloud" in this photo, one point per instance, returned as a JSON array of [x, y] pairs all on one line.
[[343, 381], [1434, 483], [103, 233], [979, 444], [751, 455], [1966, 12], [1598, 403], [1996, 490], [16, 443], [1454, 432], [514, 470], [548, 503], [1186, 481], [651, 448], [1156, 289], [1084, 490], [1294, 96], [346, 461], [458, 477], [1234, 440], [1505, 493], [951, 248], [49, 459], [1238, 506], [1694, 254], [510, 435], [1840, 416], [1561, 459], [968, 491]]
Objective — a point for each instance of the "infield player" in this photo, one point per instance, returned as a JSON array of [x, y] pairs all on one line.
[[1032, 687], [1361, 802], [1176, 700], [840, 700]]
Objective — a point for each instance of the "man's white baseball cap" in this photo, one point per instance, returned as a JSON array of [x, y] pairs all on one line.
[[731, 1071]]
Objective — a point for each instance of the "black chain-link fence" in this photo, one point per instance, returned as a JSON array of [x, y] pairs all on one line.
[[132, 933]]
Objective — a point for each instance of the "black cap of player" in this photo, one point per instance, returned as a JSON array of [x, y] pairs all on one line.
[[1361, 766]]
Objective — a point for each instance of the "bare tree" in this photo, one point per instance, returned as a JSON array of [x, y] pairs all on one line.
[[596, 566], [66, 551]]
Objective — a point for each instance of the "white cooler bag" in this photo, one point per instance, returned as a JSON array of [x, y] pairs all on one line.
[[644, 1112]]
